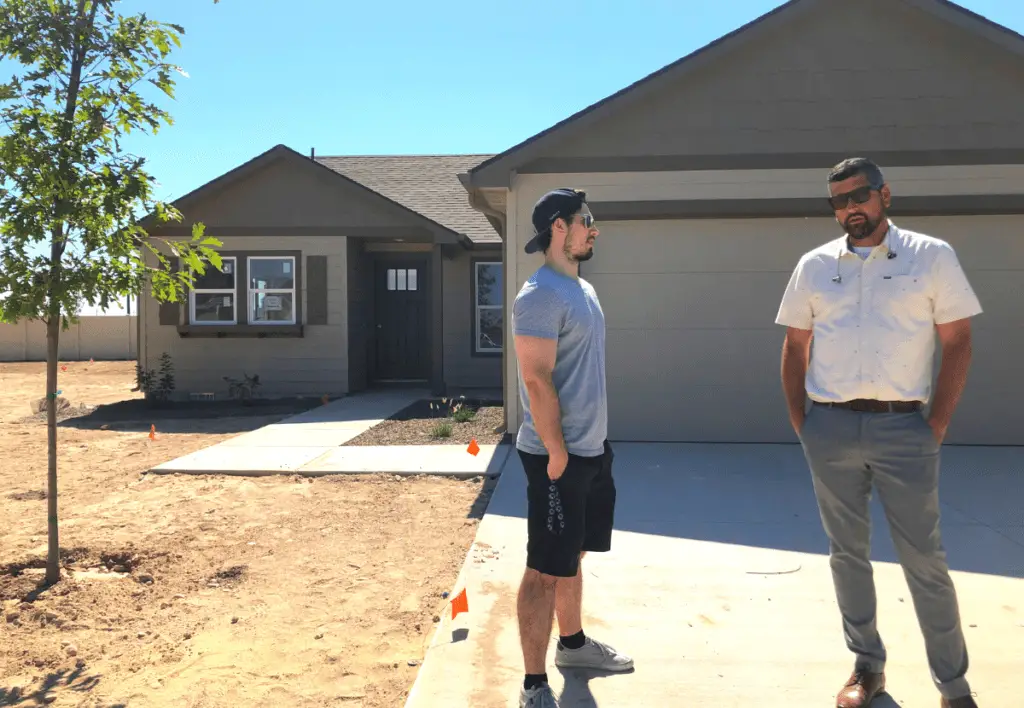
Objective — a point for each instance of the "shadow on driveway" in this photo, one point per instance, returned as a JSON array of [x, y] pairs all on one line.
[[761, 496]]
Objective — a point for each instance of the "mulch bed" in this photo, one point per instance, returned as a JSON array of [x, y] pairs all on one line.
[[417, 424]]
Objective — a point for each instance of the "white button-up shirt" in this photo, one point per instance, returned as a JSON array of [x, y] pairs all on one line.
[[873, 319]]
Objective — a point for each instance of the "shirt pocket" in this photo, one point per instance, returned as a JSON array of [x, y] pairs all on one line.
[[905, 297]]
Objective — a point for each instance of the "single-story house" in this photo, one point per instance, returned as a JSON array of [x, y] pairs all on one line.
[[707, 181], [340, 273]]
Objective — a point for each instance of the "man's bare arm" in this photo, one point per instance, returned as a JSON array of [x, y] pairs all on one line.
[[955, 339], [796, 356], [536, 357]]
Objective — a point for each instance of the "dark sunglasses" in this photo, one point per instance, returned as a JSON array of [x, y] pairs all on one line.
[[858, 196]]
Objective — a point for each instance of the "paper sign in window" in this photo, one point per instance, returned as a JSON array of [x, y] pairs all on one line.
[[272, 302], [226, 266], [227, 301]]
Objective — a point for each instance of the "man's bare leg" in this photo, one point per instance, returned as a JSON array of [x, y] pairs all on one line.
[[536, 609], [569, 602]]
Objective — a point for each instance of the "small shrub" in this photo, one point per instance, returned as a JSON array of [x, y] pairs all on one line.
[[442, 430], [166, 385], [156, 389], [144, 378], [453, 409], [463, 414], [245, 389]]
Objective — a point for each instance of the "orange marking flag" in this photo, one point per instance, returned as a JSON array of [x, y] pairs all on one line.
[[460, 604], [473, 448], [152, 432]]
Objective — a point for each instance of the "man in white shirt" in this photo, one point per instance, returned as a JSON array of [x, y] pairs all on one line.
[[872, 302]]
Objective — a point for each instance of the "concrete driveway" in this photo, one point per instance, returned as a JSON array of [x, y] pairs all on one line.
[[718, 585]]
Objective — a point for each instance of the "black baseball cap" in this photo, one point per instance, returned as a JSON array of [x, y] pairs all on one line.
[[554, 204]]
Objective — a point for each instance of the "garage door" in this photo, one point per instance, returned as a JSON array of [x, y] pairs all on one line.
[[693, 351]]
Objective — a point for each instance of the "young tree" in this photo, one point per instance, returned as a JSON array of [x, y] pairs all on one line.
[[71, 196]]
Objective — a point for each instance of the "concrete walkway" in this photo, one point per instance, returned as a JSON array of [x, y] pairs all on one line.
[[310, 444], [718, 585]]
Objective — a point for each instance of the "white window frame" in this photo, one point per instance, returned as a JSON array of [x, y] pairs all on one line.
[[252, 292], [477, 307], [233, 292]]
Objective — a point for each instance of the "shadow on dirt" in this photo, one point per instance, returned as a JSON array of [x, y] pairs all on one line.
[[43, 694], [137, 414]]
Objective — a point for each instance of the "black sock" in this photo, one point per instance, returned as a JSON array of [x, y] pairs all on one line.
[[533, 680], [576, 641]]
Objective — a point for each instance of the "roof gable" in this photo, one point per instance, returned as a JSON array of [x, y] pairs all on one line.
[[625, 123], [426, 184], [282, 188]]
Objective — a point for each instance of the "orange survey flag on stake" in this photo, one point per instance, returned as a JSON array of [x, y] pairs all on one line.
[[152, 431], [473, 448], [460, 604]]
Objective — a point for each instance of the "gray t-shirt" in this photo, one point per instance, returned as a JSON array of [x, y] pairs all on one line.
[[556, 306]]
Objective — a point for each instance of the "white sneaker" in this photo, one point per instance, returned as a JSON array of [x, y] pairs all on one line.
[[537, 697], [592, 655]]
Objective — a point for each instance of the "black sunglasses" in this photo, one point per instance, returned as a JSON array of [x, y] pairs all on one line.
[[586, 219], [859, 196]]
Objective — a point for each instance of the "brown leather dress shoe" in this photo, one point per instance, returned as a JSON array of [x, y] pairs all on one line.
[[861, 689], [962, 702]]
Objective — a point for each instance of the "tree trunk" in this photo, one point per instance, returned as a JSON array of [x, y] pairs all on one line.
[[52, 341]]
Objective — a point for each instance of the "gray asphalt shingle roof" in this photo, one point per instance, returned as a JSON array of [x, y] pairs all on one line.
[[427, 184]]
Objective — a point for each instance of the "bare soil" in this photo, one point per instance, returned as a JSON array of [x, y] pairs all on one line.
[[201, 592], [436, 421]]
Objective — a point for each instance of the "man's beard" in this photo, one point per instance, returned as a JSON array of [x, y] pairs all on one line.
[[862, 229], [578, 257]]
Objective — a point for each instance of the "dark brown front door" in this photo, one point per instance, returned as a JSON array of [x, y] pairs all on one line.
[[401, 320]]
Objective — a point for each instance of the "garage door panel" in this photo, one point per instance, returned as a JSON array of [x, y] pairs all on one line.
[[670, 410], [693, 351], [989, 359], [988, 414], [747, 359], [981, 242], [1001, 293], [690, 300], [730, 245]]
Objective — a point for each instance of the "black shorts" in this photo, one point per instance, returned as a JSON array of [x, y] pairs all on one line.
[[585, 495]]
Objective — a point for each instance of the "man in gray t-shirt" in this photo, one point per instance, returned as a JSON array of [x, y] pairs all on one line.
[[559, 332]]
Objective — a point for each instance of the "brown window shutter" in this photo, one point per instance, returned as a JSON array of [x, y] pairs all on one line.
[[169, 313], [316, 290]]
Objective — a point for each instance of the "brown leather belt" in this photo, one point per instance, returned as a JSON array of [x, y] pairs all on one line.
[[866, 405]]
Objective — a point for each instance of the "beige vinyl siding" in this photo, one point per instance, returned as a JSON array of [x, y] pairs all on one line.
[[462, 368], [313, 365], [828, 80]]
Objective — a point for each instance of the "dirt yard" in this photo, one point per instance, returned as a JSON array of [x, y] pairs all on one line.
[[201, 592]]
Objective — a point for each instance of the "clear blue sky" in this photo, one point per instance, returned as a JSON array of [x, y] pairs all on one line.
[[405, 77], [398, 77]]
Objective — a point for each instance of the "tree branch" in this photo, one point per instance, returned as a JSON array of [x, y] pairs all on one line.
[[83, 29]]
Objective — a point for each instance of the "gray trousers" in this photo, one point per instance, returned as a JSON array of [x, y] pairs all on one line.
[[848, 452]]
